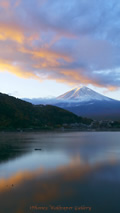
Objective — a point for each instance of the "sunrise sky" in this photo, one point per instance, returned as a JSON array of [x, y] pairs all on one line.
[[49, 46]]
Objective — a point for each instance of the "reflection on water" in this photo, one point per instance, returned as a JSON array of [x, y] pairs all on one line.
[[70, 170]]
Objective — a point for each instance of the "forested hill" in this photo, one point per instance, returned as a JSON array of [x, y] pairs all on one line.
[[15, 113]]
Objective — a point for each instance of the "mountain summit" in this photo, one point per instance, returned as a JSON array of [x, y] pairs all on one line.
[[84, 101], [82, 94]]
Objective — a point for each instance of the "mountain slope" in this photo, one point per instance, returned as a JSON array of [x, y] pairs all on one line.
[[82, 94], [15, 113], [86, 102]]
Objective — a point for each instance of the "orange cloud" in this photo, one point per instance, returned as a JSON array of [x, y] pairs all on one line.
[[11, 32], [111, 88], [4, 66], [47, 54], [54, 48], [49, 68], [72, 76], [42, 63]]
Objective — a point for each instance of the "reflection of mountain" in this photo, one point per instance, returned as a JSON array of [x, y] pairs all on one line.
[[15, 113]]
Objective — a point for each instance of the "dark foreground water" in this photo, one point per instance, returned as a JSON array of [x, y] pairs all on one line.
[[73, 172]]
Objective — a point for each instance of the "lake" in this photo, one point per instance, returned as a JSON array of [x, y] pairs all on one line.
[[60, 172]]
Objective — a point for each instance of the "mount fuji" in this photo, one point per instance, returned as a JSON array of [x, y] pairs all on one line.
[[88, 103], [81, 95]]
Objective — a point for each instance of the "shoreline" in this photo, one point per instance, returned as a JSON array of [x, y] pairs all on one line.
[[59, 130]]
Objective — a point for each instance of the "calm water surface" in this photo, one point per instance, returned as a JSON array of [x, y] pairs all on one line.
[[74, 169]]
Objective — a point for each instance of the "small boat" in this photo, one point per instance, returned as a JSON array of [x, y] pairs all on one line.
[[37, 149]]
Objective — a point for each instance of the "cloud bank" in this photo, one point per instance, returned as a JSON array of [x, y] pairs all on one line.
[[74, 42]]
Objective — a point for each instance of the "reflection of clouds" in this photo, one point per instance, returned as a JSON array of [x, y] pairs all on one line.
[[44, 186], [23, 176], [75, 169], [20, 177]]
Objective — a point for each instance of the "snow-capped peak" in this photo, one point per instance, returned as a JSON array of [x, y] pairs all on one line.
[[81, 94]]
